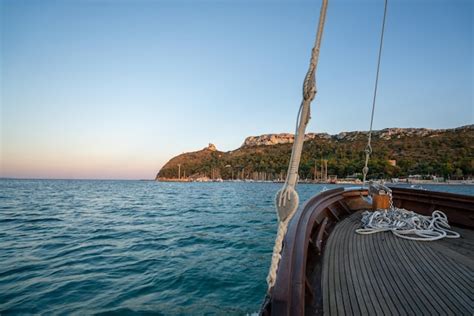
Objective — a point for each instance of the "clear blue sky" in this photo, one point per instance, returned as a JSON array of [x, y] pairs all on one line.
[[113, 89]]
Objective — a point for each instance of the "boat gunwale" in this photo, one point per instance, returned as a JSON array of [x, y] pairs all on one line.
[[291, 282]]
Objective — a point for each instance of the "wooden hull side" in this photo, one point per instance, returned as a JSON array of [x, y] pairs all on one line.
[[309, 228], [294, 292], [458, 208]]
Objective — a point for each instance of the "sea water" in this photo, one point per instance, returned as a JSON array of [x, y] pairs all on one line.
[[137, 247]]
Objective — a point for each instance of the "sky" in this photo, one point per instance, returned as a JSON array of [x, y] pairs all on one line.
[[113, 89]]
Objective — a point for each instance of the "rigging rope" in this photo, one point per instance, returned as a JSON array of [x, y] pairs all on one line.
[[368, 148], [287, 199]]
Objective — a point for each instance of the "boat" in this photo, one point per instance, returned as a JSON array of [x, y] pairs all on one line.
[[326, 268], [370, 249]]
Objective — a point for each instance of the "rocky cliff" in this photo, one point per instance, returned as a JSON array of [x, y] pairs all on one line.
[[386, 134]]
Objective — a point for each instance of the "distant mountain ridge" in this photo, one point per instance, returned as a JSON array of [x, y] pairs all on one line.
[[387, 134], [441, 152]]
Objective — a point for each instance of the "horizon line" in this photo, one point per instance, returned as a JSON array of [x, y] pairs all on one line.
[[74, 179]]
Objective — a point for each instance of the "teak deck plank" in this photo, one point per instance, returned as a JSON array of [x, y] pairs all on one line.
[[383, 274]]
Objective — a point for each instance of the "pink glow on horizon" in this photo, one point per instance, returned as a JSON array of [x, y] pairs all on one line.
[[78, 168]]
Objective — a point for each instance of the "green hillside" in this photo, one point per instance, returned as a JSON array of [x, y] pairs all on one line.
[[448, 153]]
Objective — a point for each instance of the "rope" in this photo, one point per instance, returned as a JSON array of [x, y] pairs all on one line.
[[287, 198], [309, 92], [271, 278], [403, 223], [407, 224], [368, 148]]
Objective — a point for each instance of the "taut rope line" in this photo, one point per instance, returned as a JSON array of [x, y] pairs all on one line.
[[287, 199], [368, 148]]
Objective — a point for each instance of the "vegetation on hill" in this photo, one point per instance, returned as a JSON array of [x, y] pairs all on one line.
[[445, 153]]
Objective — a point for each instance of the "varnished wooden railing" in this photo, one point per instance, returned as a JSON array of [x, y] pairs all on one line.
[[310, 226], [459, 208]]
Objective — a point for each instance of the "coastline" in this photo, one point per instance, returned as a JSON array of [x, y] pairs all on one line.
[[410, 182]]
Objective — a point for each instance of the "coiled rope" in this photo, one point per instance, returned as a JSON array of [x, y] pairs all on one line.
[[406, 224]]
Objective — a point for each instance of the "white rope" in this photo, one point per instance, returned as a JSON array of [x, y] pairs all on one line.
[[271, 278], [287, 199], [403, 223], [407, 224], [309, 92]]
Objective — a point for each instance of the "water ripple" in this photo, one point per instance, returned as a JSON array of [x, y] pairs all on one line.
[[136, 247]]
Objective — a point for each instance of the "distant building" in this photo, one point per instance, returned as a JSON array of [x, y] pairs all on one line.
[[211, 147], [392, 162], [354, 176], [437, 179]]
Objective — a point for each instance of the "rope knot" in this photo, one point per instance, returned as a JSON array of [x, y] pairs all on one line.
[[365, 170], [309, 86], [368, 149]]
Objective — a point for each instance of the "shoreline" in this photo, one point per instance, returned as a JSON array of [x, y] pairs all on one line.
[[358, 183], [413, 182]]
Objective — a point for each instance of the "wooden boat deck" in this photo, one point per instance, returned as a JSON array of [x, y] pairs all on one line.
[[383, 274]]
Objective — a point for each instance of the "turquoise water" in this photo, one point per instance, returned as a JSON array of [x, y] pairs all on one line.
[[138, 246]]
